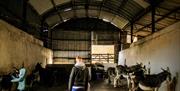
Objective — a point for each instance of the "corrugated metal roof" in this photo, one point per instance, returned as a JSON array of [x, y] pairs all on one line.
[[103, 9]]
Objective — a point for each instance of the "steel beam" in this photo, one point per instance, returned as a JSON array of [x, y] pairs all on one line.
[[164, 8], [174, 18], [120, 8], [82, 39], [176, 9], [132, 32], [55, 7], [9, 11], [153, 12], [107, 9], [142, 13], [138, 17], [103, 1], [120, 38], [51, 39], [145, 25], [67, 58], [24, 13], [86, 6], [73, 8], [69, 50]]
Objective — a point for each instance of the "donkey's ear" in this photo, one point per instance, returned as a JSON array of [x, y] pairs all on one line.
[[144, 67], [136, 62], [141, 63], [168, 69], [163, 69]]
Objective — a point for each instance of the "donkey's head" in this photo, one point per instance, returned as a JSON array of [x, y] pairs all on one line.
[[166, 73]]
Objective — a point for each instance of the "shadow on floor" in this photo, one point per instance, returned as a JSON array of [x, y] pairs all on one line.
[[99, 85]]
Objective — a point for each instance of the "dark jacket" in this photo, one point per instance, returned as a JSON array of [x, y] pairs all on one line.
[[79, 77]]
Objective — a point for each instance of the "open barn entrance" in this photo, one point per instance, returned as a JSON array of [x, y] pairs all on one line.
[[85, 41], [102, 53]]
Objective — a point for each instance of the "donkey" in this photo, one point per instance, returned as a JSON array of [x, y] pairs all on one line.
[[5, 80], [110, 74], [32, 79], [120, 70], [134, 78], [153, 82], [127, 72], [6, 83], [46, 75]]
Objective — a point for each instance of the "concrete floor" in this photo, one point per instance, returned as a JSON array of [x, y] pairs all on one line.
[[99, 85], [102, 85]]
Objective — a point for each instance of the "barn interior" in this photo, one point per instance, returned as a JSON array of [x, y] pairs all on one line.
[[102, 32]]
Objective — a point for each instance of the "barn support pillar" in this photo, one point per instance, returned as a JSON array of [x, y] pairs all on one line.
[[123, 41], [24, 14], [119, 47], [153, 12], [131, 32]]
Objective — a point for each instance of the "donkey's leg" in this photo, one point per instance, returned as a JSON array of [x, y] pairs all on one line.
[[128, 82], [118, 80], [109, 79], [133, 85], [115, 81], [156, 89]]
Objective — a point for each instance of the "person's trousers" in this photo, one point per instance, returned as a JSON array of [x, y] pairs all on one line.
[[78, 88]]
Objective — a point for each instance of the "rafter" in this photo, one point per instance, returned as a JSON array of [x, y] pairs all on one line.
[[9, 11], [120, 8], [143, 26], [86, 6], [55, 7], [174, 18], [164, 8], [73, 5], [142, 13], [159, 19], [73, 8], [138, 16], [103, 1], [153, 12]]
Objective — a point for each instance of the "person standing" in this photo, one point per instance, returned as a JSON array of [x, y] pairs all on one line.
[[79, 77], [20, 79]]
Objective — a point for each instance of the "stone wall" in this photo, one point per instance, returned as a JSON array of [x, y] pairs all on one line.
[[162, 49], [17, 47]]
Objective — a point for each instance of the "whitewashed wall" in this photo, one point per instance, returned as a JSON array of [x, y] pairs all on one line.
[[17, 47], [161, 49]]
